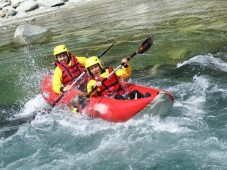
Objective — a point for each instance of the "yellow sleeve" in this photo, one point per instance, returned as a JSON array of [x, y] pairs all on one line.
[[82, 60], [57, 80], [124, 72], [90, 86]]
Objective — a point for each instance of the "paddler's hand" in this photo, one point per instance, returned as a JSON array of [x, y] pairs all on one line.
[[124, 62], [98, 84], [67, 88]]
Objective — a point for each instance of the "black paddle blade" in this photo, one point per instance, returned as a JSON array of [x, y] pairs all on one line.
[[145, 45], [104, 52]]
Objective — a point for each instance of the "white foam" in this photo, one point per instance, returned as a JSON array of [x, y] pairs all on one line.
[[35, 104], [206, 60]]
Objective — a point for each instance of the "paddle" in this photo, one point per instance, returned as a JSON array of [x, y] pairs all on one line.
[[75, 81], [81, 75], [104, 52], [142, 48]]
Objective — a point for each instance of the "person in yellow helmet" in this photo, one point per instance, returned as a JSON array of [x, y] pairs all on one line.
[[68, 68], [111, 86]]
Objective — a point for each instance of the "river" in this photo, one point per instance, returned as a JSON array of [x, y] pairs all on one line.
[[188, 58]]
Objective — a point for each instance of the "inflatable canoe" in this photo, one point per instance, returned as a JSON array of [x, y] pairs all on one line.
[[110, 109]]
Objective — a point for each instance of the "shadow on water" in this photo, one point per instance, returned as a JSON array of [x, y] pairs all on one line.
[[9, 124]]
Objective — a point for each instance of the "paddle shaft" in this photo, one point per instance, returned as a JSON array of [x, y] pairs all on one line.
[[99, 56], [62, 95], [142, 48], [118, 67], [81, 75], [114, 71]]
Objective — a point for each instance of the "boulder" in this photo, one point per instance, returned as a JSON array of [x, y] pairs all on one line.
[[27, 6], [28, 33], [3, 4], [50, 3], [9, 11], [15, 5], [2, 14], [17, 1]]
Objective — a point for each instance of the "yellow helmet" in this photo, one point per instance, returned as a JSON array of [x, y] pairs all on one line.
[[60, 49], [92, 61]]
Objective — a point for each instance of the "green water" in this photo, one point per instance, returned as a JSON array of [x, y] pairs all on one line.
[[188, 58], [181, 29]]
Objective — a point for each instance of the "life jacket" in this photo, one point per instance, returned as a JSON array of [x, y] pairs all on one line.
[[70, 73], [111, 86]]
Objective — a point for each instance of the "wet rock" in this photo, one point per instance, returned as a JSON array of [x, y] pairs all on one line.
[[50, 3], [9, 11], [2, 14], [28, 33], [23, 8], [17, 1], [14, 5], [27, 6], [4, 3]]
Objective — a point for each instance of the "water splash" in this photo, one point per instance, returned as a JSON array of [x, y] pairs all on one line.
[[208, 61]]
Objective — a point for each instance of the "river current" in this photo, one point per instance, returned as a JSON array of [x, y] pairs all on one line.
[[188, 58]]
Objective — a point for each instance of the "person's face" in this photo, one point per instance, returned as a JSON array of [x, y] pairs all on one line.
[[62, 58], [95, 70]]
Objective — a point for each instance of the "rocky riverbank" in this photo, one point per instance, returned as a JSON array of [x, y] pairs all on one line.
[[25, 10]]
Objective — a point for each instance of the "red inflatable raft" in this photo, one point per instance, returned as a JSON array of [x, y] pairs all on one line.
[[112, 109]]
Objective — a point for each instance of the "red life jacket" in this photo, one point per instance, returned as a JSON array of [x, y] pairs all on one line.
[[110, 86], [70, 73]]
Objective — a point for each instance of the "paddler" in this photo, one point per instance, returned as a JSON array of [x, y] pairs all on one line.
[[68, 68], [110, 87]]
